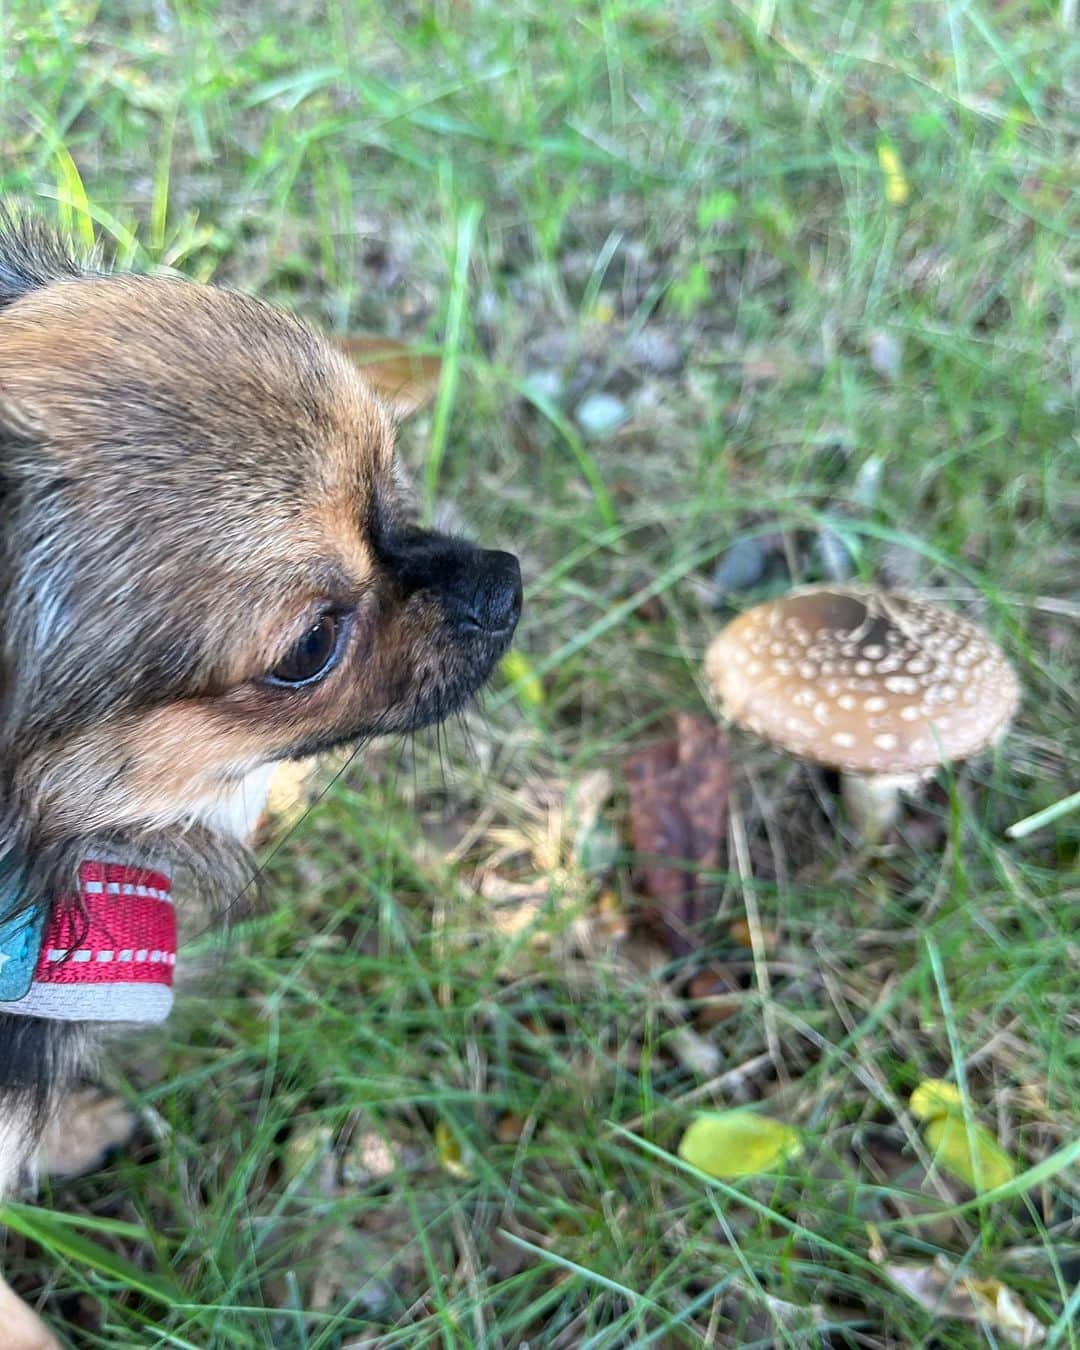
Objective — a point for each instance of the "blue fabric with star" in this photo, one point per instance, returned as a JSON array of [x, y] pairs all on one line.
[[20, 935]]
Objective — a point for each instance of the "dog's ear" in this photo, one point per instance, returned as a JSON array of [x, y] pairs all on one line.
[[403, 378], [31, 255]]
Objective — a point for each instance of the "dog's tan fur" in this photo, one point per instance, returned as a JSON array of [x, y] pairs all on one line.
[[190, 482]]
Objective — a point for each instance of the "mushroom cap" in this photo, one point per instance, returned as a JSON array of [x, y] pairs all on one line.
[[867, 681]]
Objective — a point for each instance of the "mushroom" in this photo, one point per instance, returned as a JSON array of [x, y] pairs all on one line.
[[882, 685]]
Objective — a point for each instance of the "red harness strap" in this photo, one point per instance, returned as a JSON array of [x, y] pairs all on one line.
[[114, 961]]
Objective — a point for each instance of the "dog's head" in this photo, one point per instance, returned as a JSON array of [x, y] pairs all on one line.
[[207, 556]]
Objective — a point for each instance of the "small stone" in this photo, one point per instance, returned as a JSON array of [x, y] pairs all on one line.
[[375, 1297], [646, 400], [488, 307], [867, 483], [600, 414], [545, 384], [655, 350], [694, 1052], [368, 1158], [886, 354], [741, 567], [836, 560], [555, 348]]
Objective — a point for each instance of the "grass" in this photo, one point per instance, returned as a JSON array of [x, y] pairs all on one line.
[[432, 1095]]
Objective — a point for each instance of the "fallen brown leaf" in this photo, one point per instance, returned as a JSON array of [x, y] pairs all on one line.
[[678, 813], [404, 378], [715, 991], [739, 932], [945, 1291], [509, 1128]]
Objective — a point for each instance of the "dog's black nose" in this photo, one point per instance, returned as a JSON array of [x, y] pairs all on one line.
[[484, 597]]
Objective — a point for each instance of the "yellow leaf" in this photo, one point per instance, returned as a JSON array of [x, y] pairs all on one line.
[[518, 670], [897, 190], [979, 1159], [934, 1097], [738, 1143], [448, 1151]]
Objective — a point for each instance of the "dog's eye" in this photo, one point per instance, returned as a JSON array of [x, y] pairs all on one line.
[[314, 655]]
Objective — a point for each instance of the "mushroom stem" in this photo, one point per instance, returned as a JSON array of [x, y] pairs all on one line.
[[873, 801]]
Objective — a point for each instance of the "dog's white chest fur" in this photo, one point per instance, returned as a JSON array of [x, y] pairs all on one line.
[[238, 811]]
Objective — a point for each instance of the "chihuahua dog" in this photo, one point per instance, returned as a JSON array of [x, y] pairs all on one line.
[[208, 564]]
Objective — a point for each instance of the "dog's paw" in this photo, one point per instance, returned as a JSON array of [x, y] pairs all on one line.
[[88, 1125]]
